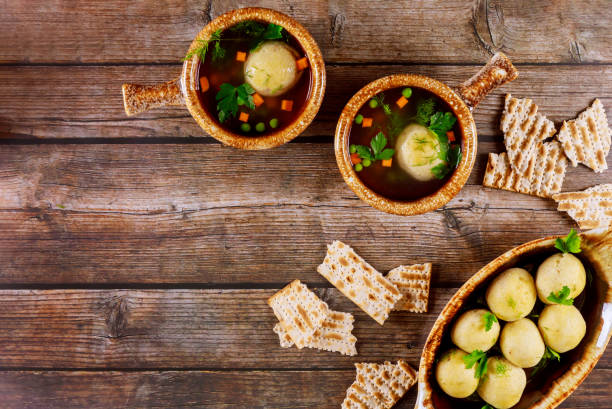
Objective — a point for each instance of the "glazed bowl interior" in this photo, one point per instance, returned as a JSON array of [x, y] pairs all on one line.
[[468, 145], [553, 384], [190, 80]]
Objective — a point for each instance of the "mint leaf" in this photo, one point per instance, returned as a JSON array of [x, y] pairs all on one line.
[[561, 297], [569, 243], [489, 318]]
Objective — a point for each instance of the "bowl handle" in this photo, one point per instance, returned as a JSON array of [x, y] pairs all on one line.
[[497, 72], [139, 98]]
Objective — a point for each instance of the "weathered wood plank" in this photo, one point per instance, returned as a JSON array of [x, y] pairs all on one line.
[[78, 102], [347, 31], [204, 389], [210, 214], [206, 329]]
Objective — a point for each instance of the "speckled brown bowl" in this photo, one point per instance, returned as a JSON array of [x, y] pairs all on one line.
[[498, 71], [184, 90], [597, 251]]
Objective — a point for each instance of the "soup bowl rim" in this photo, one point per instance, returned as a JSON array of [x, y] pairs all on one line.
[[190, 80], [450, 188]]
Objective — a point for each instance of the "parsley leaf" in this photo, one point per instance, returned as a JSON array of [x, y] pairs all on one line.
[[376, 150], [272, 32], [441, 123], [569, 243], [549, 355], [477, 356], [202, 49], [487, 406], [489, 318], [249, 28], [561, 297], [230, 97]]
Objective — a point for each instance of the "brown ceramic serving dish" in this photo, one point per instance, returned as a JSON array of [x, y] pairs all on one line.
[[185, 89], [556, 382], [461, 101]]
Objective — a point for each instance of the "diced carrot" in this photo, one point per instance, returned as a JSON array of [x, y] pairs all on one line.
[[257, 99], [387, 162], [287, 105], [402, 101], [243, 117], [451, 136], [367, 122], [241, 56], [302, 64], [355, 159], [204, 85]]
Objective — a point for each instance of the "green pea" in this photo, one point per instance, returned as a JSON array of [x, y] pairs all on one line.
[[245, 127], [352, 149], [366, 162], [359, 119], [407, 92], [273, 123], [373, 103], [358, 167], [260, 127]]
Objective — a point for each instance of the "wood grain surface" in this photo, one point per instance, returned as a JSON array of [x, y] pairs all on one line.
[[136, 254]]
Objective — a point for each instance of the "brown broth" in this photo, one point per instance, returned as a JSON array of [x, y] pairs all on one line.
[[542, 381], [231, 71], [393, 182]]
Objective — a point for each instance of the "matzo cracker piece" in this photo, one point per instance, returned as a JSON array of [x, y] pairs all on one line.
[[413, 282], [586, 139], [591, 208], [523, 130], [333, 335], [359, 281], [543, 177], [299, 311]]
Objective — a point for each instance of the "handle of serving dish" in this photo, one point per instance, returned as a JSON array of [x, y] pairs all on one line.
[[139, 98], [497, 72]]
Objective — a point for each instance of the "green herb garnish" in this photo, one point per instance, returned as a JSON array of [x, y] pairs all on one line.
[[230, 98], [501, 368], [487, 406], [376, 150], [562, 297], [489, 318], [202, 48], [549, 355], [439, 123], [477, 356], [380, 99], [569, 243]]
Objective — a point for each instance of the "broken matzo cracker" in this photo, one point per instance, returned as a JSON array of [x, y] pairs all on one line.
[[359, 281], [591, 208], [413, 282], [299, 311]]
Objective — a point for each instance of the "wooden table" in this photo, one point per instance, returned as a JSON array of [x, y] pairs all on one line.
[[136, 254]]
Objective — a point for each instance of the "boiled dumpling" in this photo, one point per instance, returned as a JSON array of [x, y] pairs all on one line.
[[469, 332], [271, 69], [417, 151], [557, 271], [512, 294], [503, 384], [453, 377], [562, 327], [521, 343]]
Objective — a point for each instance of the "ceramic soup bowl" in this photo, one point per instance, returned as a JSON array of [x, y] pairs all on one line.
[[184, 90], [554, 383], [461, 100]]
